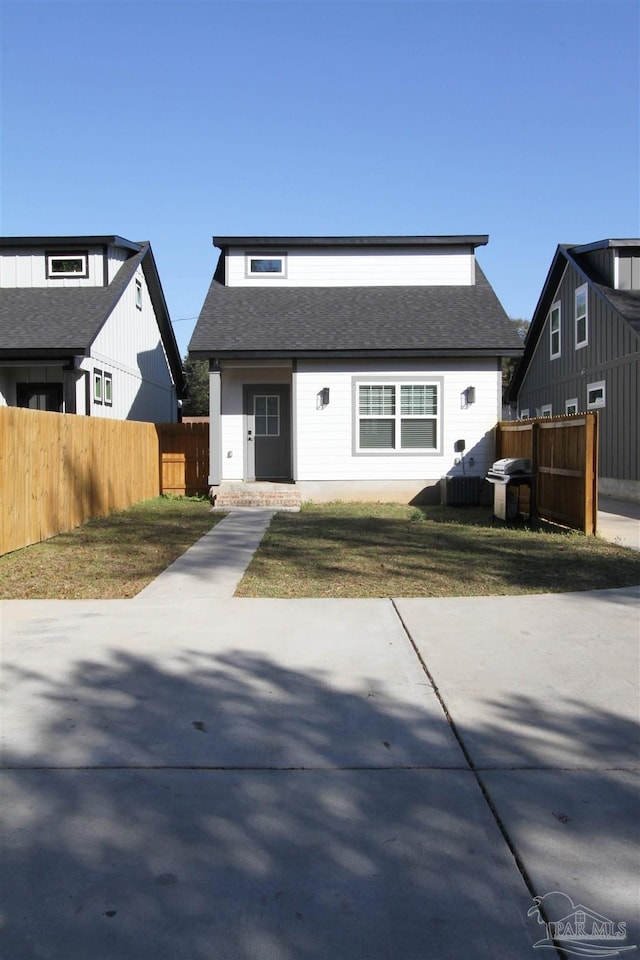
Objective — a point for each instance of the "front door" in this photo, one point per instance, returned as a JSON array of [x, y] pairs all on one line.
[[267, 416]]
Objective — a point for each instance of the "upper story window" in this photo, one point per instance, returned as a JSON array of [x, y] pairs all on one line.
[[571, 406], [62, 265], [138, 295], [273, 265], [582, 316], [554, 330]]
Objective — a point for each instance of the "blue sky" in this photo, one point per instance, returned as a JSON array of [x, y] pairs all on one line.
[[176, 121]]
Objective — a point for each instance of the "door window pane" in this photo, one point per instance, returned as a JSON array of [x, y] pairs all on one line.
[[266, 411]]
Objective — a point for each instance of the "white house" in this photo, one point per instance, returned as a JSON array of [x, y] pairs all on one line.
[[84, 328], [353, 367]]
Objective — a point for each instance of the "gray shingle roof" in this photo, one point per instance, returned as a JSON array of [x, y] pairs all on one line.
[[290, 321], [62, 321]]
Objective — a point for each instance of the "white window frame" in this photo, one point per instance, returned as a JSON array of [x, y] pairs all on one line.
[[584, 289], [546, 410], [598, 386], [82, 274], [571, 403], [98, 386], [139, 294], [397, 416], [524, 414], [107, 389], [555, 309], [252, 274]]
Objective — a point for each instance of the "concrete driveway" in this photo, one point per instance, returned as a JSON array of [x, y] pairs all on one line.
[[344, 779]]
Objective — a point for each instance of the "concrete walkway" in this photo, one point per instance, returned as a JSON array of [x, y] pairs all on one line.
[[214, 566], [295, 780], [207, 778], [619, 522]]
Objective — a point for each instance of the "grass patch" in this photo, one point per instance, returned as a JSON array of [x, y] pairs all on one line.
[[388, 550], [113, 557]]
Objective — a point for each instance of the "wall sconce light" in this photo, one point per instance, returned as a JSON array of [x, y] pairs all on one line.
[[323, 398], [468, 397]]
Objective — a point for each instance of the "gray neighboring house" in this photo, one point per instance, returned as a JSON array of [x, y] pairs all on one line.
[[352, 367], [85, 329], [582, 353]]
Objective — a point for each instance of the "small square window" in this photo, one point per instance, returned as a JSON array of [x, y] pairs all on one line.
[[596, 395], [546, 410], [97, 386], [138, 295], [62, 265], [524, 414], [571, 406], [273, 265]]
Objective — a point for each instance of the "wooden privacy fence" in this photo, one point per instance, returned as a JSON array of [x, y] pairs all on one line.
[[564, 457], [58, 470], [184, 456]]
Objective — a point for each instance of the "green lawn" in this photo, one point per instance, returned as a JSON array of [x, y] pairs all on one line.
[[113, 557], [386, 550]]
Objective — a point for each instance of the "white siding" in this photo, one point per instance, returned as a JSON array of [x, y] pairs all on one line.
[[142, 385], [233, 380], [26, 266], [310, 267], [325, 436]]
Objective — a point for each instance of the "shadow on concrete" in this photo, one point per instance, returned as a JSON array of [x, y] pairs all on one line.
[[164, 836]]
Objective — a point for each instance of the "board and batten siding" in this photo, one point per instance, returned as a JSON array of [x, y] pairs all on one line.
[[309, 267], [142, 385], [27, 267], [611, 355]]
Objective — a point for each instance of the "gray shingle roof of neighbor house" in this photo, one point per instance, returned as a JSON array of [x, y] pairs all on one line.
[[58, 323], [352, 321]]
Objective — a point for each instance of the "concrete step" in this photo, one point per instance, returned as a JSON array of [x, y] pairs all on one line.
[[264, 496]]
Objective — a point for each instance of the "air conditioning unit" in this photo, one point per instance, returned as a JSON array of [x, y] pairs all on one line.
[[460, 491]]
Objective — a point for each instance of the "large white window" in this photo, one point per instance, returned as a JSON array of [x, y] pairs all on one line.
[[554, 331], [582, 316], [397, 416]]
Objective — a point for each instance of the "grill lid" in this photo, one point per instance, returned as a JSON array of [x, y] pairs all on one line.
[[509, 466]]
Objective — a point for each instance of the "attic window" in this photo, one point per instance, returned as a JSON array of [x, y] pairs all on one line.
[[61, 265], [274, 265], [138, 295]]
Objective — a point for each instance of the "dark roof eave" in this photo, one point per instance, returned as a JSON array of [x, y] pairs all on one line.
[[40, 353], [112, 240], [474, 240], [346, 354]]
